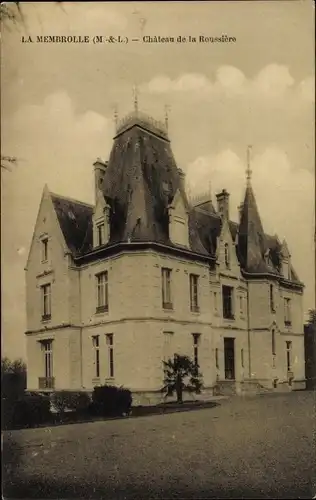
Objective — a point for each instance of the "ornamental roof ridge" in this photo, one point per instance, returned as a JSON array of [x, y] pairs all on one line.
[[143, 119]]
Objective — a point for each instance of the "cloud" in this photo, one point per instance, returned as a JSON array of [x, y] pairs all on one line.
[[230, 78], [57, 144], [285, 197], [272, 81], [307, 89], [187, 82]]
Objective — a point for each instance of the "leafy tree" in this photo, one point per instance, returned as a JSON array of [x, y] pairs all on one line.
[[13, 378], [312, 317], [181, 374]]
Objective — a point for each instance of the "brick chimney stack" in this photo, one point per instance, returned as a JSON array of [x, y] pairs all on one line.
[[223, 204]]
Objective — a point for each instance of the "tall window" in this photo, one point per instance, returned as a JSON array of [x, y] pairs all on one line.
[[241, 305], [46, 301], [216, 358], [45, 250], [228, 302], [227, 256], [100, 232], [109, 343], [287, 311], [215, 302], [166, 288], [102, 292], [194, 292], [273, 343], [272, 306], [47, 348], [242, 358], [196, 341], [289, 356], [96, 347]]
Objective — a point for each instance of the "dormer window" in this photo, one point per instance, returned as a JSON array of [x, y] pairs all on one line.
[[166, 187], [45, 250], [227, 256], [100, 234]]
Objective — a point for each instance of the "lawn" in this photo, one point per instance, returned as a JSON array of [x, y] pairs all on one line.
[[254, 447]]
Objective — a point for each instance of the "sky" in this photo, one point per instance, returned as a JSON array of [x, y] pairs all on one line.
[[58, 101]]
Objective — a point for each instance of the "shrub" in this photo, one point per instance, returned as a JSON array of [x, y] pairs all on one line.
[[70, 400], [13, 378], [27, 411], [111, 401]]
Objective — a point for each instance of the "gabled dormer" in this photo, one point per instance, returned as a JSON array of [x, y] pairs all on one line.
[[179, 220], [101, 221], [101, 213], [285, 258], [226, 255]]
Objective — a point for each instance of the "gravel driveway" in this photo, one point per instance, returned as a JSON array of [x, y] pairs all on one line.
[[254, 447]]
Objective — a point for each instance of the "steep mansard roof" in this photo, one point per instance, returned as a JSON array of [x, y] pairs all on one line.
[[140, 182]]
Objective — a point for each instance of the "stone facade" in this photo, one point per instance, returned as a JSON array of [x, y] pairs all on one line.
[[73, 343]]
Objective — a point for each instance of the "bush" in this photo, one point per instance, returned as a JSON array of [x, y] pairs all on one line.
[[111, 401], [13, 378], [27, 411], [70, 400]]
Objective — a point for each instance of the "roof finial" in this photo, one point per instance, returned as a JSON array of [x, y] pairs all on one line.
[[115, 116], [248, 170], [135, 92], [167, 109]]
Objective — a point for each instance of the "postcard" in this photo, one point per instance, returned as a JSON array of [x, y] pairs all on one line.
[[158, 249]]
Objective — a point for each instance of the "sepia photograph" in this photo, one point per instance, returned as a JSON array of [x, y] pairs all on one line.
[[158, 250]]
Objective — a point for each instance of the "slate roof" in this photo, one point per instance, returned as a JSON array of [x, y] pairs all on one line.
[[141, 180], [75, 220]]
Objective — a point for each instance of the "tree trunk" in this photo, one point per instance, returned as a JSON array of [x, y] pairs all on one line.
[[179, 389]]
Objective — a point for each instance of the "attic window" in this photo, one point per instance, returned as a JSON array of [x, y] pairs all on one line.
[[45, 250], [227, 256], [166, 186], [71, 215], [100, 233], [267, 257]]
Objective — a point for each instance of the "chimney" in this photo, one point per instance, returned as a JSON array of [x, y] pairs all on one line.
[[223, 204], [99, 172]]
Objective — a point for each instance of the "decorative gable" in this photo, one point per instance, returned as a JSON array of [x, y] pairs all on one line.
[[101, 221], [285, 261], [178, 221], [47, 233], [226, 251]]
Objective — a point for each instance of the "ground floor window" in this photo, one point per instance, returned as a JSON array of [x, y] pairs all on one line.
[[96, 348], [46, 381], [289, 356], [229, 358], [109, 342], [196, 341]]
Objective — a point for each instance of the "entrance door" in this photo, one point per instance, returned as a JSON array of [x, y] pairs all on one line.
[[229, 355]]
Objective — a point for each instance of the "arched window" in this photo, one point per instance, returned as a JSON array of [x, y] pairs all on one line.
[[227, 259]]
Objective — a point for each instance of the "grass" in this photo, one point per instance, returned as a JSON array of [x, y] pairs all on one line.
[[258, 447]]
